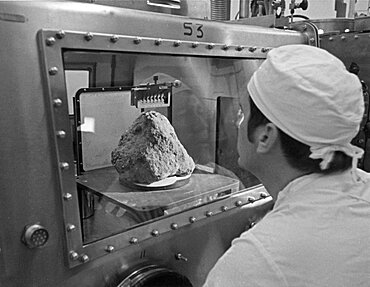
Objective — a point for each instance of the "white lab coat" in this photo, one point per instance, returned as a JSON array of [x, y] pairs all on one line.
[[318, 234]]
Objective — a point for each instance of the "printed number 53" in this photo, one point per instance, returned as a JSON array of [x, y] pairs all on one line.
[[191, 29]]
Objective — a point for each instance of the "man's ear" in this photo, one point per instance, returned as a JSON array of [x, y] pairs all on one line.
[[268, 137]]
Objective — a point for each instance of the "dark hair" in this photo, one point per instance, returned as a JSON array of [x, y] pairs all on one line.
[[297, 153]]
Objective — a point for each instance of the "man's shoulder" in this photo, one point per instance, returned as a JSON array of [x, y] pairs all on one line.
[[275, 230]]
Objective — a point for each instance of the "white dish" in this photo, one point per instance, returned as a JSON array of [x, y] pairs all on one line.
[[164, 182]]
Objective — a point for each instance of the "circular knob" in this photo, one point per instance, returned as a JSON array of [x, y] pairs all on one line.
[[35, 236]]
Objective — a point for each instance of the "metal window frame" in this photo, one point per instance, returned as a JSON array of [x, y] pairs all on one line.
[[52, 43]]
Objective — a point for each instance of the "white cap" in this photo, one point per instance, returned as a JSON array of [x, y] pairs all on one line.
[[309, 94]]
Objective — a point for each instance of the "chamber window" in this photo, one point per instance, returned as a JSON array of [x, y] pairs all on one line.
[[202, 107]]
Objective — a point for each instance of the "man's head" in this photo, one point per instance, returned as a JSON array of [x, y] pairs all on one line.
[[313, 102]]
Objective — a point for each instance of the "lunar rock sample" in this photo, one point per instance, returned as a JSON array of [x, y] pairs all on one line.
[[150, 151]]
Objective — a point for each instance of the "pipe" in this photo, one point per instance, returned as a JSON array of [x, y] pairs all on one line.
[[244, 9], [352, 8], [220, 10]]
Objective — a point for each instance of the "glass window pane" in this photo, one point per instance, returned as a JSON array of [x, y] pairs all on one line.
[[203, 110]]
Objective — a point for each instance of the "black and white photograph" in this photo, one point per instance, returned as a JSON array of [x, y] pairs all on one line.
[[185, 143]]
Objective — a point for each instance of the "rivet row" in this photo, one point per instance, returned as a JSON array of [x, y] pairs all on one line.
[[344, 38], [73, 255], [50, 41], [155, 232]]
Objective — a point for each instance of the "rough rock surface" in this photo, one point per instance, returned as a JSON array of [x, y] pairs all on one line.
[[150, 151]]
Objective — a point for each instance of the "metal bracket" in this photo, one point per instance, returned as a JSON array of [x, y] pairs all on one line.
[[153, 95], [309, 30]]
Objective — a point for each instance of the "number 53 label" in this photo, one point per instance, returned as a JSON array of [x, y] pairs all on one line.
[[191, 29]]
